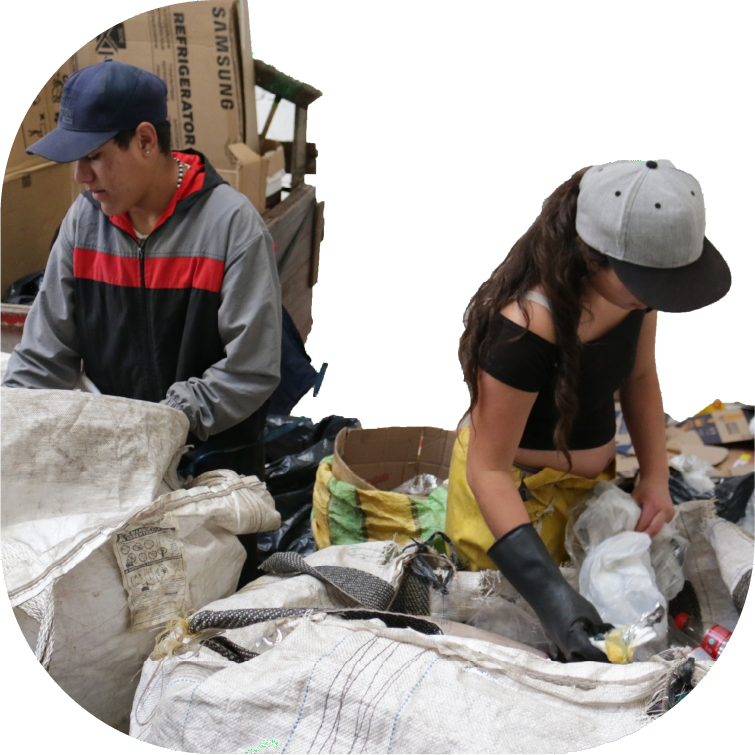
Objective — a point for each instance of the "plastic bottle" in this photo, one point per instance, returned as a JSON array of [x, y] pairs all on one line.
[[689, 630]]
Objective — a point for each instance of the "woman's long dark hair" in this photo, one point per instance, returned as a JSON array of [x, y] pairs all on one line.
[[550, 254]]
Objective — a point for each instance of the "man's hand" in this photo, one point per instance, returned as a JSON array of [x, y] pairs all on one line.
[[655, 501]]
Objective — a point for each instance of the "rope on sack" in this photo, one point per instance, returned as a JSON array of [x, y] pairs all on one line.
[[41, 607]]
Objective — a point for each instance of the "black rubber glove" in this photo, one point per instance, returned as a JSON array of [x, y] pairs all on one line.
[[569, 620]]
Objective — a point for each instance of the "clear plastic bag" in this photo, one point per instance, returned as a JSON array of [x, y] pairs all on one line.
[[618, 579], [695, 472], [611, 511], [283, 627], [667, 553], [421, 485], [510, 620], [608, 512]]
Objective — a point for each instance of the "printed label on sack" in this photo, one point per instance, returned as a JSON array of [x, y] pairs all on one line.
[[152, 566]]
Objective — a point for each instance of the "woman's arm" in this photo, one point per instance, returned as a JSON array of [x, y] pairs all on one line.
[[497, 425], [496, 430], [642, 406]]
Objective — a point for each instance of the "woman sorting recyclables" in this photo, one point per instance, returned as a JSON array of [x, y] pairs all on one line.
[[568, 318]]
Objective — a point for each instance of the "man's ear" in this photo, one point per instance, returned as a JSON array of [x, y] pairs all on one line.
[[146, 137]]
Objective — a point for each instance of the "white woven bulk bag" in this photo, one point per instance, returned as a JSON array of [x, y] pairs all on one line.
[[364, 685], [102, 581], [702, 569], [734, 548]]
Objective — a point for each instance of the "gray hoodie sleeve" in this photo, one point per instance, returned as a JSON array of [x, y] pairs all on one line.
[[48, 355], [249, 320]]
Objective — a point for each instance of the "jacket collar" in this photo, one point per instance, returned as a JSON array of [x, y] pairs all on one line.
[[199, 179]]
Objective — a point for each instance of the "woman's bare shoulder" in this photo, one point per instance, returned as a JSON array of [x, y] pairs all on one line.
[[540, 319]]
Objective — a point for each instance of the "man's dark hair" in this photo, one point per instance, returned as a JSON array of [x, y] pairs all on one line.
[[123, 138]]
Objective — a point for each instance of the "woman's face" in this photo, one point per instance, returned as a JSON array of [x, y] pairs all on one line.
[[607, 284]]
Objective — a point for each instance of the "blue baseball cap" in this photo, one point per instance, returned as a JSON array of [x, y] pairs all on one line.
[[99, 101]]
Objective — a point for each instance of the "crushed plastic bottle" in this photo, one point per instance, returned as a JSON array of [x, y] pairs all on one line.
[[620, 643]]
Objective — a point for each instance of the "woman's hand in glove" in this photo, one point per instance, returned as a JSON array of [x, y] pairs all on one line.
[[569, 620]]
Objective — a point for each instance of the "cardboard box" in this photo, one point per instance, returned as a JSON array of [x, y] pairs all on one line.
[[194, 48], [34, 203], [255, 176], [41, 118], [384, 458], [715, 428]]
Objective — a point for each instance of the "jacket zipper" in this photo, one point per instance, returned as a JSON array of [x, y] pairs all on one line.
[[150, 339]]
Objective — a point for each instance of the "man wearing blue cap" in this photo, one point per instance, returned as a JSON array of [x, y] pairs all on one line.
[[162, 279]]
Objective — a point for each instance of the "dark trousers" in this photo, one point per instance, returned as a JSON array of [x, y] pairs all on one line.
[[242, 450]]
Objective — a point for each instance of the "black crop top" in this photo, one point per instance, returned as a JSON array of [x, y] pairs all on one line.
[[530, 363]]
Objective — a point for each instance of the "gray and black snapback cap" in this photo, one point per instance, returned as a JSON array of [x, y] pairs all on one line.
[[648, 218]]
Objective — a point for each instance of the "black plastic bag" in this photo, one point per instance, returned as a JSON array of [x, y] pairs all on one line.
[[731, 494], [297, 469], [681, 492], [24, 290], [294, 448], [295, 534]]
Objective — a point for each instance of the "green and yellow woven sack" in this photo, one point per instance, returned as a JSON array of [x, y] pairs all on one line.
[[343, 514]]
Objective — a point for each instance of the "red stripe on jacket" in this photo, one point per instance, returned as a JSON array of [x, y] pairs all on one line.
[[184, 272], [106, 268], [160, 272]]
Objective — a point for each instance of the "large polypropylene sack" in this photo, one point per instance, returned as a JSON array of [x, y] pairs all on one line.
[[354, 680], [706, 596], [734, 548], [93, 623], [75, 467]]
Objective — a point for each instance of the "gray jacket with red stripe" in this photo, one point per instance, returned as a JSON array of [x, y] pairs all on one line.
[[190, 317]]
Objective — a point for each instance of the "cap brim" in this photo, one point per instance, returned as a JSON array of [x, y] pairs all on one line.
[[678, 289], [64, 146]]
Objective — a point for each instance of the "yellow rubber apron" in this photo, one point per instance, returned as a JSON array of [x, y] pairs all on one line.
[[548, 496]]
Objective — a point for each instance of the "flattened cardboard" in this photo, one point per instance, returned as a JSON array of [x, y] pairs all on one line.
[[383, 458], [716, 428], [738, 461], [711, 454]]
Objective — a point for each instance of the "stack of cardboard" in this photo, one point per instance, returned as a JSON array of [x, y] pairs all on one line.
[[202, 51], [719, 435]]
